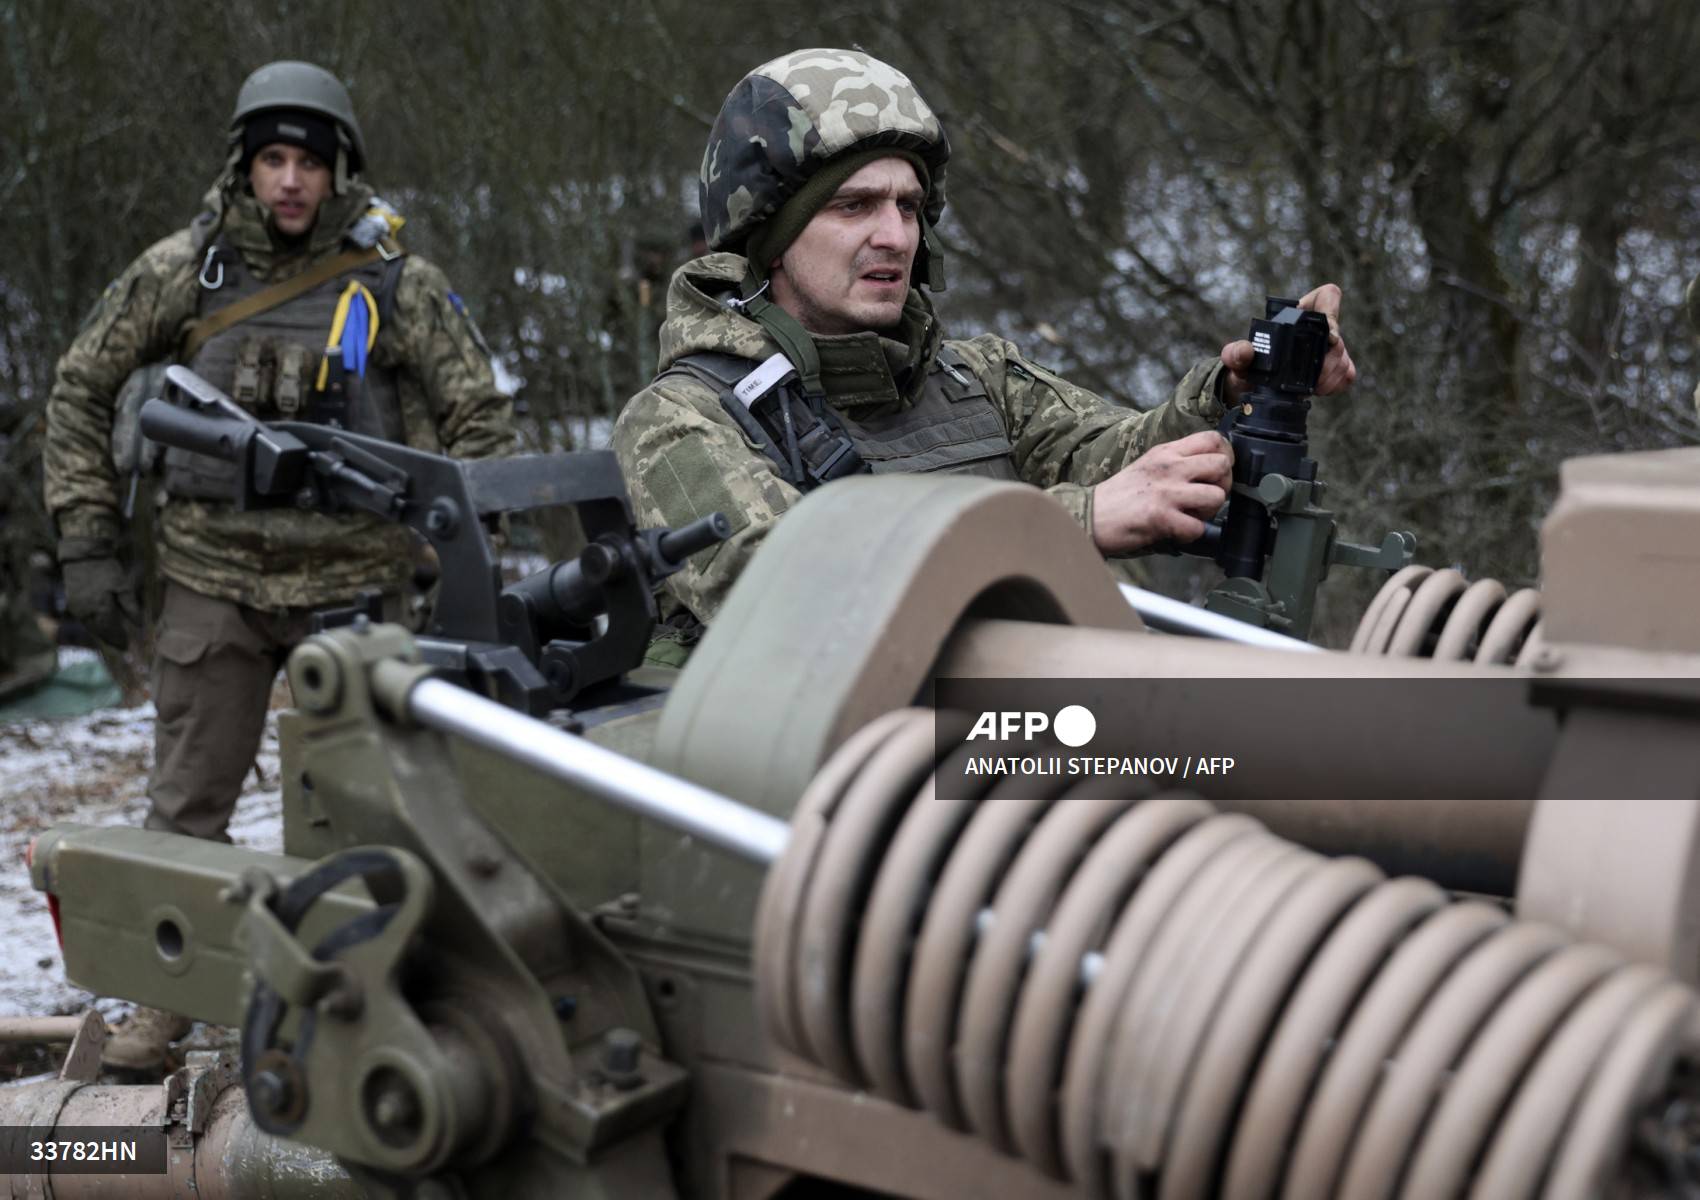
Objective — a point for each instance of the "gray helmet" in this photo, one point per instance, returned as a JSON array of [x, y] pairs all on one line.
[[789, 117], [301, 86]]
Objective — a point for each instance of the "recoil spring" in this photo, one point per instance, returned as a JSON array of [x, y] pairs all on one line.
[[1423, 613], [1151, 999]]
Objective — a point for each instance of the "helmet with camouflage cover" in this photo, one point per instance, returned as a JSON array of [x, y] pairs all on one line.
[[305, 88], [790, 117]]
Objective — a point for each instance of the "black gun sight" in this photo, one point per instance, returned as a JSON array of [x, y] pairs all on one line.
[[1288, 347], [1269, 432]]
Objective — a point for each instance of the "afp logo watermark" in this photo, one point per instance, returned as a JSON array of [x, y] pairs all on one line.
[[1073, 725]]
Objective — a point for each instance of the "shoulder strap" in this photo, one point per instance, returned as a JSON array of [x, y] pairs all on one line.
[[387, 289], [823, 450], [724, 372], [711, 367], [269, 298]]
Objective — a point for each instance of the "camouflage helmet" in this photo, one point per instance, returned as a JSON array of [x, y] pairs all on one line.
[[790, 116], [305, 87]]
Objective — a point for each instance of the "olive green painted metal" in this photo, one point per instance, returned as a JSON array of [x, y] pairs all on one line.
[[526, 986], [840, 619], [465, 1007], [1306, 544], [845, 609], [145, 914], [447, 1074], [587, 848]]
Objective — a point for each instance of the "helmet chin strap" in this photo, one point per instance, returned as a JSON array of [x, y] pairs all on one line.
[[755, 302], [341, 176], [933, 250]]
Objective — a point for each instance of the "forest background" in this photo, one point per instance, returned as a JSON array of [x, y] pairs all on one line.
[[1504, 189]]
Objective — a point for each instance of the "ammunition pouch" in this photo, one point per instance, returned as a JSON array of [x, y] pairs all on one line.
[[257, 380], [267, 362]]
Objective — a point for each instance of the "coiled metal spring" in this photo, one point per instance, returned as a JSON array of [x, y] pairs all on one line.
[[1152, 999], [1424, 613]]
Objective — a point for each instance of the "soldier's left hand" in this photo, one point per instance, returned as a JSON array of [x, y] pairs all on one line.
[[1338, 370]]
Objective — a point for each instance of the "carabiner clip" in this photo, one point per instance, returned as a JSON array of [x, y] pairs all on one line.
[[210, 261], [738, 305]]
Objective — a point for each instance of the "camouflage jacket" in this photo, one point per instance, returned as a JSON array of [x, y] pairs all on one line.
[[684, 456], [280, 557]]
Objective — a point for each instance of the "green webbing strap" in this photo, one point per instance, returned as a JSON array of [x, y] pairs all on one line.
[[270, 298], [787, 332], [933, 251]]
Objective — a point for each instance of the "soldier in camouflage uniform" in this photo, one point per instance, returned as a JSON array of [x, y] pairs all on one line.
[[240, 586], [822, 184]]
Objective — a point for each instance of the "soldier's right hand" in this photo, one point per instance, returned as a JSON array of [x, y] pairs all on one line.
[[1170, 491], [99, 594]]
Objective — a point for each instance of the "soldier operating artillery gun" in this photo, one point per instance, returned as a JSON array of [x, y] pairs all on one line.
[[781, 953], [796, 959]]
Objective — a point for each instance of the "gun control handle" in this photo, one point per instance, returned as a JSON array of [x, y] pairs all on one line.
[[170, 425], [676, 545], [570, 591], [1204, 546]]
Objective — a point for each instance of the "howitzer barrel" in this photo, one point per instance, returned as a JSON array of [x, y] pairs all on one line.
[[216, 437], [1466, 822]]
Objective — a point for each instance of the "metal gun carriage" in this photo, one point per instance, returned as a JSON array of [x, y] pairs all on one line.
[[726, 934]]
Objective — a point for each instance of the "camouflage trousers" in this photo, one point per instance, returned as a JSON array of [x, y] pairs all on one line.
[[212, 686]]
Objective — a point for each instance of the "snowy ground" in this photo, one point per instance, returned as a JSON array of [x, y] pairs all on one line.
[[91, 770]]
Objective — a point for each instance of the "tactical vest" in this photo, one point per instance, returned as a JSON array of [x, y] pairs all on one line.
[[952, 426], [269, 363]]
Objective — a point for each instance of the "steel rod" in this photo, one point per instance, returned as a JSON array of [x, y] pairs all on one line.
[[1175, 616]]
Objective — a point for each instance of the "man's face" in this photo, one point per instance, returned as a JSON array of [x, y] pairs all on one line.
[[292, 182], [849, 269]]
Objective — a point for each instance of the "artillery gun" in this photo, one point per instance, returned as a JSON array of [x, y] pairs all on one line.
[[772, 931]]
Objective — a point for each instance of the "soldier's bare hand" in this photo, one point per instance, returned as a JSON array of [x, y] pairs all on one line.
[[1338, 370], [1168, 492]]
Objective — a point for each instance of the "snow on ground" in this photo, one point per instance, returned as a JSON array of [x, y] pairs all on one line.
[[92, 770]]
